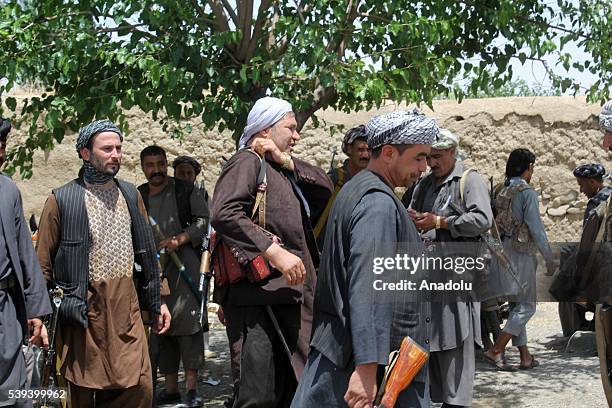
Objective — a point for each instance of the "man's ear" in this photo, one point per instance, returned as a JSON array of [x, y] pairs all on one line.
[[85, 153], [266, 133], [388, 153]]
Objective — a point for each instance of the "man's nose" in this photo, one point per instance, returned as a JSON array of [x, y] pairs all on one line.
[[295, 135]]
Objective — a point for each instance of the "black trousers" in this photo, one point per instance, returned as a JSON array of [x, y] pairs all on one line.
[[267, 379]]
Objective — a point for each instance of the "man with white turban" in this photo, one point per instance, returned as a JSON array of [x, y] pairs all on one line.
[[281, 232], [455, 324], [357, 324]]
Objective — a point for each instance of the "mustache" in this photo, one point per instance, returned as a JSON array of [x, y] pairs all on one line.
[[156, 174]]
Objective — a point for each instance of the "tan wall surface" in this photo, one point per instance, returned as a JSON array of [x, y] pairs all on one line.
[[561, 131]]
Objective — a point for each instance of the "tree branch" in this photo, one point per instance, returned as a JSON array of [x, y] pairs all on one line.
[[351, 14], [133, 28], [262, 15], [231, 12], [245, 16], [220, 16], [322, 99]]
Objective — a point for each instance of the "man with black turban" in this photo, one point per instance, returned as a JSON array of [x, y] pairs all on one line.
[[92, 231], [590, 179], [186, 168]]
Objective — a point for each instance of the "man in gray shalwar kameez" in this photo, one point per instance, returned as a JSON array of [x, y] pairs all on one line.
[[23, 293], [455, 324], [520, 244], [355, 326]]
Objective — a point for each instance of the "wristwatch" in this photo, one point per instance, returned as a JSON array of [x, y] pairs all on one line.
[[286, 160]]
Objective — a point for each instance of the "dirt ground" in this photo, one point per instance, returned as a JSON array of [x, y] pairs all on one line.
[[562, 379]]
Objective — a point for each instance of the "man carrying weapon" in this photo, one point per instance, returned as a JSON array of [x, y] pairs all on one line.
[[520, 226], [355, 146], [183, 216], [603, 238], [92, 232], [297, 193], [455, 322], [355, 326]]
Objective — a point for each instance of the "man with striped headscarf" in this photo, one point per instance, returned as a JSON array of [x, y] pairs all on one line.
[[355, 324], [92, 231]]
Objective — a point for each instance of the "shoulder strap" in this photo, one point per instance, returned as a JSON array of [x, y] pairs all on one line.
[[182, 195], [262, 186], [144, 193], [462, 183]]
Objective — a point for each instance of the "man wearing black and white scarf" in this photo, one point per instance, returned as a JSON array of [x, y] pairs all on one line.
[[92, 230]]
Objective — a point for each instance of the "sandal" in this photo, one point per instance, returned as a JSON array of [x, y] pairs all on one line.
[[499, 364], [534, 363]]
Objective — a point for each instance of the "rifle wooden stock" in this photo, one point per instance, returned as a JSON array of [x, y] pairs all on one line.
[[403, 369]]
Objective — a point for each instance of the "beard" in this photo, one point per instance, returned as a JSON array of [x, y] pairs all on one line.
[[103, 168]]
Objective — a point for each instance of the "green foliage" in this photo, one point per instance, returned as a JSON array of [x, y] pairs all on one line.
[[201, 59]]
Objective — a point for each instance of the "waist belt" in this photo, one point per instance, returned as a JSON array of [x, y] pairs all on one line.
[[7, 283]]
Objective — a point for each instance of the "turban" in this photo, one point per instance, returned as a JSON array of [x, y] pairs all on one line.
[[93, 129], [187, 160], [446, 140], [401, 127], [605, 117], [594, 171], [264, 114], [358, 132]]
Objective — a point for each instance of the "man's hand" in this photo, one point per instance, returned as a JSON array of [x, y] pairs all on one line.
[[221, 316], [424, 221], [163, 320], [362, 386], [551, 267], [38, 333], [173, 242], [288, 264], [262, 146]]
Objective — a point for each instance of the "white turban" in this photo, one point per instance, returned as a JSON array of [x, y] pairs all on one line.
[[446, 140], [605, 117], [264, 114]]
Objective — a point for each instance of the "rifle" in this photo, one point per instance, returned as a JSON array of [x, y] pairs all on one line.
[[494, 244], [47, 379], [177, 261], [205, 275], [332, 169], [403, 366]]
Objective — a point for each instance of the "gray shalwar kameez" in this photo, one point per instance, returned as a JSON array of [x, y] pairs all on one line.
[[353, 324], [525, 209], [26, 299], [455, 324]]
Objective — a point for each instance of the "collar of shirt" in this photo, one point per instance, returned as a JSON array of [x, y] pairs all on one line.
[[457, 172], [517, 180]]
